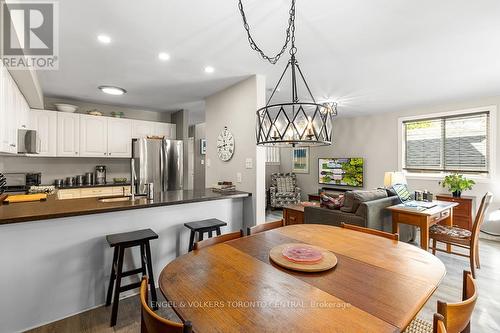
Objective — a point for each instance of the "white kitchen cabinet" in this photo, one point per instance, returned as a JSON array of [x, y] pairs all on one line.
[[164, 129], [22, 110], [10, 114], [69, 194], [119, 137], [94, 192], [45, 123], [3, 132], [93, 136], [142, 128], [68, 134], [13, 112]]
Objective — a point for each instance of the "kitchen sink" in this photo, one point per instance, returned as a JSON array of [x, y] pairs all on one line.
[[117, 199]]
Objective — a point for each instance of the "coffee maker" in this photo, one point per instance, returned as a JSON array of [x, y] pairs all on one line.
[[100, 175]]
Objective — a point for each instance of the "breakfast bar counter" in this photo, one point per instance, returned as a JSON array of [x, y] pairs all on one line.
[[56, 259], [54, 208]]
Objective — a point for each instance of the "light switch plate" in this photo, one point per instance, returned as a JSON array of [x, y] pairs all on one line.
[[249, 163], [238, 177]]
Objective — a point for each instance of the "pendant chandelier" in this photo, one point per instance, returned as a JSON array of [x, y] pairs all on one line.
[[294, 123]]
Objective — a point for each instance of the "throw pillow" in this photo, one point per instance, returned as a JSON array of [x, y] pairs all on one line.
[[332, 203], [325, 200], [348, 206], [281, 185], [354, 198], [364, 196], [289, 184]]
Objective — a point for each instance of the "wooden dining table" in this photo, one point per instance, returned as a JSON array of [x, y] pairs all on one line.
[[378, 285]]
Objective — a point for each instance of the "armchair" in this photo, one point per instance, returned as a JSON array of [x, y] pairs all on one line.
[[283, 190]]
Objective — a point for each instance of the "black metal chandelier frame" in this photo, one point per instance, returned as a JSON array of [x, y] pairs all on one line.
[[271, 134], [305, 123]]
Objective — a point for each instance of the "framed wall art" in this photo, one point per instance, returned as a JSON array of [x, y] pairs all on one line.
[[300, 160]]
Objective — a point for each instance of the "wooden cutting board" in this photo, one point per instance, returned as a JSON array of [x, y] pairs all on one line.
[[26, 197], [328, 262]]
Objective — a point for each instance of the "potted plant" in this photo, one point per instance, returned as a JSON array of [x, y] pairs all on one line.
[[457, 183]]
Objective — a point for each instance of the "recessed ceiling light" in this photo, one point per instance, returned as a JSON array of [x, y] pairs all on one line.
[[209, 69], [105, 39], [112, 90], [163, 56]]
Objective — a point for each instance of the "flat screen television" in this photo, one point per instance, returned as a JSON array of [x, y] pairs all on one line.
[[341, 171]]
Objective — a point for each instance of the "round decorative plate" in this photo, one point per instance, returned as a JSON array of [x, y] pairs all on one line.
[[302, 257]]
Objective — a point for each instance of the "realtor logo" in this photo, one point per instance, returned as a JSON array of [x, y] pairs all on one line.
[[30, 34]]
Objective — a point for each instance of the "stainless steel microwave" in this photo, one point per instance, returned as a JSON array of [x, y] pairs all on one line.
[[28, 142]]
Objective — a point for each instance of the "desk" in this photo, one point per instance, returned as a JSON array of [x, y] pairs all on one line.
[[378, 285], [441, 213]]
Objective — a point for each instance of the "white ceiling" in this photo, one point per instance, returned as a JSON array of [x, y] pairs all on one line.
[[371, 56]]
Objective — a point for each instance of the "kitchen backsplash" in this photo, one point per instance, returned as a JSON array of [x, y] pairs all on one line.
[[61, 167]]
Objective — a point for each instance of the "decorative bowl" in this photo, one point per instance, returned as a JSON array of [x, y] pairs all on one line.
[[66, 107]]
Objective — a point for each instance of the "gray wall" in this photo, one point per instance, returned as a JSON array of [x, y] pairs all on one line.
[[235, 108], [132, 113], [180, 118], [375, 138], [199, 159], [61, 167]]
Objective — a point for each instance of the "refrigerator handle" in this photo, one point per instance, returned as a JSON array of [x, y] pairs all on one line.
[[133, 178], [163, 154]]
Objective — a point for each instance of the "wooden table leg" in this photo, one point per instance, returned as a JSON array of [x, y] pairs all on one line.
[[395, 223], [449, 222], [424, 233]]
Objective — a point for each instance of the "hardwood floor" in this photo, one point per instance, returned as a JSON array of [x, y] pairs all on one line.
[[273, 215], [486, 316], [97, 320], [484, 320]]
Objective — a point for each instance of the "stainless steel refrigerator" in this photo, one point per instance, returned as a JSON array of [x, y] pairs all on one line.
[[157, 161]]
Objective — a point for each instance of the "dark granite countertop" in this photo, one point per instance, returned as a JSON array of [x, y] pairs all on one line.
[[54, 208], [65, 187]]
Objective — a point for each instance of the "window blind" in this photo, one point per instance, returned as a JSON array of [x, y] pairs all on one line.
[[456, 143]]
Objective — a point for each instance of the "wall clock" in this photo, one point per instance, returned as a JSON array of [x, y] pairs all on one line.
[[225, 145]]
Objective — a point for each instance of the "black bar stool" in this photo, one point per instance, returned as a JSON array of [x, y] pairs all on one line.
[[200, 227], [120, 242]]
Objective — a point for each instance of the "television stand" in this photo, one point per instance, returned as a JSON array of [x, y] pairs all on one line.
[[334, 189]]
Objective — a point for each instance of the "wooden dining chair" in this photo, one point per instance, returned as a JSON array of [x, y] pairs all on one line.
[[462, 238], [438, 324], [457, 315], [264, 227], [451, 317], [370, 231], [153, 323], [218, 239]]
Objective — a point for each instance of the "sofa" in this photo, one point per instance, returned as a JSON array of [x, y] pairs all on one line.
[[362, 208], [283, 190]]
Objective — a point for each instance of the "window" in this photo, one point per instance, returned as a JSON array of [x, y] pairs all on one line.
[[455, 143], [272, 155]]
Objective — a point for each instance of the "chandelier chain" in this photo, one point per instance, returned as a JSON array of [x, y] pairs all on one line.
[[290, 35]]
